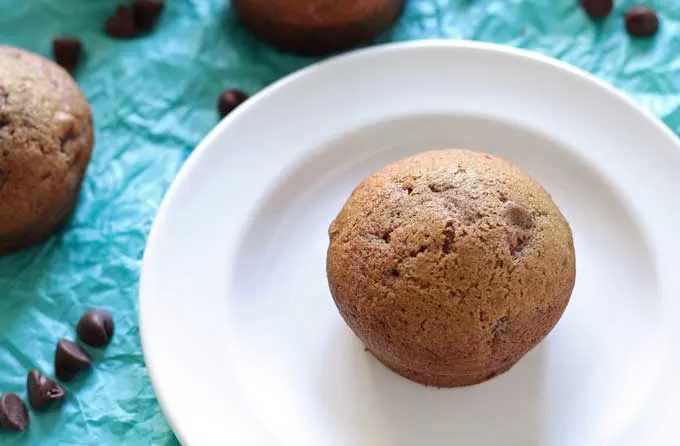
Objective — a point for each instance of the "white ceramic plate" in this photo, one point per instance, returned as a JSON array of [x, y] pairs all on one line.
[[243, 342]]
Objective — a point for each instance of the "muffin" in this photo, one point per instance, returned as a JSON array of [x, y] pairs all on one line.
[[450, 266], [46, 138], [317, 27]]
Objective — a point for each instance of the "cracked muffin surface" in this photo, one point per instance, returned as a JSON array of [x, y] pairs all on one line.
[[46, 138], [450, 265]]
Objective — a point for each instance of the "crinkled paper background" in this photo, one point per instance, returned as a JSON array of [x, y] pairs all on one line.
[[153, 100]]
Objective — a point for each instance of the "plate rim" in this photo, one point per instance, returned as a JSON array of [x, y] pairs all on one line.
[[207, 143]]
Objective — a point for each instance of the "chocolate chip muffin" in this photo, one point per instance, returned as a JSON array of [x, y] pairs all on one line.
[[450, 266], [46, 138], [317, 27]]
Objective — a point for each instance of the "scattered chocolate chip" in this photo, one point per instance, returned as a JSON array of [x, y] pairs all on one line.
[[121, 25], [229, 100], [69, 360], [95, 328], [642, 21], [67, 51], [146, 13], [42, 391], [598, 9], [13, 412]]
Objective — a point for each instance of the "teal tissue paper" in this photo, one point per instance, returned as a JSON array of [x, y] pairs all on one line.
[[154, 98]]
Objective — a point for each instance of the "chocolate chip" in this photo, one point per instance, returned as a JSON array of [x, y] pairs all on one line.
[[67, 51], [95, 328], [66, 139], [42, 391], [69, 360], [229, 100], [146, 13], [597, 9], [4, 175], [519, 216], [65, 123], [498, 328], [13, 412], [449, 237], [642, 21], [518, 243], [121, 25]]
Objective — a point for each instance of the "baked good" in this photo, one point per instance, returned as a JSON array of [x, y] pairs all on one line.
[[46, 138], [450, 266], [317, 27]]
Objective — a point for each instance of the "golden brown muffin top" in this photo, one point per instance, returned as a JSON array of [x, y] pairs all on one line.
[[46, 137], [443, 256]]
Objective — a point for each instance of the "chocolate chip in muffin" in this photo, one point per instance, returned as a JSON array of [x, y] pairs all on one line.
[[67, 52], [146, 13], [3, 173], [519, 216], [42, 391], [121, 25], [642, 21], [95, 328], [13, 412], [69, 360], [597, 9], [229, 100]]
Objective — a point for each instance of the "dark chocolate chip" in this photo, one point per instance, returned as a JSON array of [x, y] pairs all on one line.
[[42, 391], [519, 216], [229, 100], [67, 138], [598, 9], [146, 13], [449, 237], [517, 245], [95, 328], [67, 51], [499, 328], [121, 25], [69, 360], [4, 174], [13, 412], [642, 21]]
